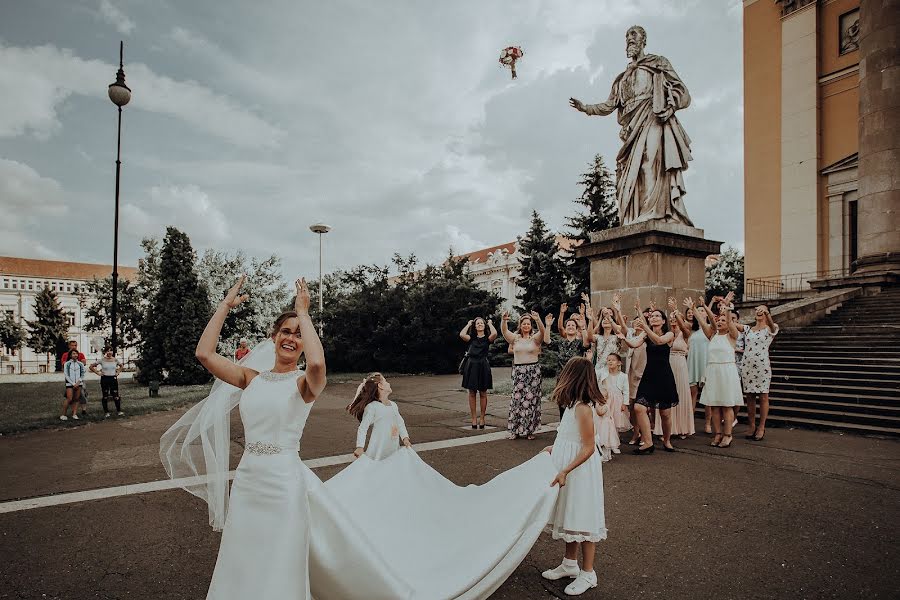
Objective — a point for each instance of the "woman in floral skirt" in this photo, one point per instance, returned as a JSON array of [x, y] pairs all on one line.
[[526, 344]]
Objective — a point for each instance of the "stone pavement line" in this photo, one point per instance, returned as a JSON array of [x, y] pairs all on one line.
[[170, 484]]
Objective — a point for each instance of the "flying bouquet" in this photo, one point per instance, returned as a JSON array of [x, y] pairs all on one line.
[[509, 56]]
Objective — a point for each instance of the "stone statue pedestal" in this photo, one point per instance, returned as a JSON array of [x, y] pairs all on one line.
[[647, 261]]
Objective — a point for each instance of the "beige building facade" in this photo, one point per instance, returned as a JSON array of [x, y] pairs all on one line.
[[801, 107], [805, 217]]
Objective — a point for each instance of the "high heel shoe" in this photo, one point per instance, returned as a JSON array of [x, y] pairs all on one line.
[[728, 445], [647, 450]]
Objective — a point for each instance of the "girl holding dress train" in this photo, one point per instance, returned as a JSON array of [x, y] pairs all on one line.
[[373, 408], [578, 518]]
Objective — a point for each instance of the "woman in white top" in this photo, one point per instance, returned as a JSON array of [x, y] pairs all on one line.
[[722, 392], [373, 408], [108, 368]]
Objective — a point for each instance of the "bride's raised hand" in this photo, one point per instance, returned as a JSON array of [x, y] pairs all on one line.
[[232, 299], [301, 304]]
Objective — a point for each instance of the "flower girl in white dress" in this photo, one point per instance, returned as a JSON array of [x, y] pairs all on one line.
[[578, 518], [373, 408], [265, 539]]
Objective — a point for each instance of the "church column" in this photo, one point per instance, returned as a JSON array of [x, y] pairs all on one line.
[[879, 136]]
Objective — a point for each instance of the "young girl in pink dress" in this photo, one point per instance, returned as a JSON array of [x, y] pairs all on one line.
[[604, 424]]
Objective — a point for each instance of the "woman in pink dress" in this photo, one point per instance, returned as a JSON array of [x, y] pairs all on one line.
[[683, 414]]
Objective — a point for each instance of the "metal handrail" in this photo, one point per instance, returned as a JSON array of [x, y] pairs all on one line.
[[778, 286]]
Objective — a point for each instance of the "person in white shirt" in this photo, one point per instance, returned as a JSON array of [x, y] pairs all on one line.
[[74, 371], [108, 368]]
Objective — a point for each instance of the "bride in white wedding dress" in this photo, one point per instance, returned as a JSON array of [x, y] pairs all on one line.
[[385, 529]]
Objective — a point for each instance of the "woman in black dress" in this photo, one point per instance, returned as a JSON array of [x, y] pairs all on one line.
[[657, 389], [476, 368]]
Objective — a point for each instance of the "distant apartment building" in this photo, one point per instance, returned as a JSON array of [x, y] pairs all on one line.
[[21, 279]]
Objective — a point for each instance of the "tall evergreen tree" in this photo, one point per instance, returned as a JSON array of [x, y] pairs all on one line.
[[542, 273], [177, 316], [600, 212], [47, 332], [12, 336]]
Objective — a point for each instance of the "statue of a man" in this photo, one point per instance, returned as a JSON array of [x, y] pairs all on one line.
[[655, 149]]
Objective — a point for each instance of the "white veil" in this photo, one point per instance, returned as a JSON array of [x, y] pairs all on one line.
[[195, 450]]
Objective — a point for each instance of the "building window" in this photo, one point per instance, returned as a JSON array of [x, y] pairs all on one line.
[[6, 283], [30, 285], [68, 287], [71, 317], [848, 32], [15, 285]]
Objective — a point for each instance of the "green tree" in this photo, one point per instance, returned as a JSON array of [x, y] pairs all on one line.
[[267, 294], [12, 336], [599, 213], [96, 298], [176, 317], [542, 273], [407, 323], [47, 332], [726, 275]]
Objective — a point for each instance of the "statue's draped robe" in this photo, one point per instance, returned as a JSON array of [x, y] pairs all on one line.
[[649, 181]]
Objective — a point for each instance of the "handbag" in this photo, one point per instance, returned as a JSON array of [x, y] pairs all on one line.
[[462, 363]]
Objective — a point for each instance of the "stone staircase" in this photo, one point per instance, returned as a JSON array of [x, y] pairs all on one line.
[[842, 372]]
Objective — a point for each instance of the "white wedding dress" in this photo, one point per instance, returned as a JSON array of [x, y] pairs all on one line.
[[388, 529]]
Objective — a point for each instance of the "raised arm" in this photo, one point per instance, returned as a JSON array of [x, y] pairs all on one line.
[[770, 323], [314, 380], [492, 333], [206, 353], [632, 342], [464, 333], [728, 306], [617, 312], [562, 318], [701, 315], [509, 336], [544, 331]]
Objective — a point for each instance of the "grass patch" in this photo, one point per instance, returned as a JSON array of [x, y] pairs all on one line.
[[35, 405], [26, 406]]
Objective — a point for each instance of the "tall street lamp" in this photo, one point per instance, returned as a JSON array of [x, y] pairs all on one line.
[[120, 94], [321, 229]]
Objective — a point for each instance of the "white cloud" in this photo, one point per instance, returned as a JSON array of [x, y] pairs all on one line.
[[27, 198], [24, 192], [115, 17], [188, 208], [37, 80]]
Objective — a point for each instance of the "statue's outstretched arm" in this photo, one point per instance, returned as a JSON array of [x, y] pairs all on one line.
[[604, 108]]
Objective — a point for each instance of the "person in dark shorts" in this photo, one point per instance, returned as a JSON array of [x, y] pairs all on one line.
[[108, 368]]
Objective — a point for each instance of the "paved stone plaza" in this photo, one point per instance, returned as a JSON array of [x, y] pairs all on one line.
[[803, 514]]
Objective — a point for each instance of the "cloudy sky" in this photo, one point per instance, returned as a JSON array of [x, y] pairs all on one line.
[[391, 121]]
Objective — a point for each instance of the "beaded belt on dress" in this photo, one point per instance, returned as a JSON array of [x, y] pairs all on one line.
[[268, 448]]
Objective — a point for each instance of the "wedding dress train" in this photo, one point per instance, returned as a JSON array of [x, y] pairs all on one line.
[[386, 529]]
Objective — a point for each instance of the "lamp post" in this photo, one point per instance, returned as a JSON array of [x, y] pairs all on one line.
[[321, 229], [120, 94]]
